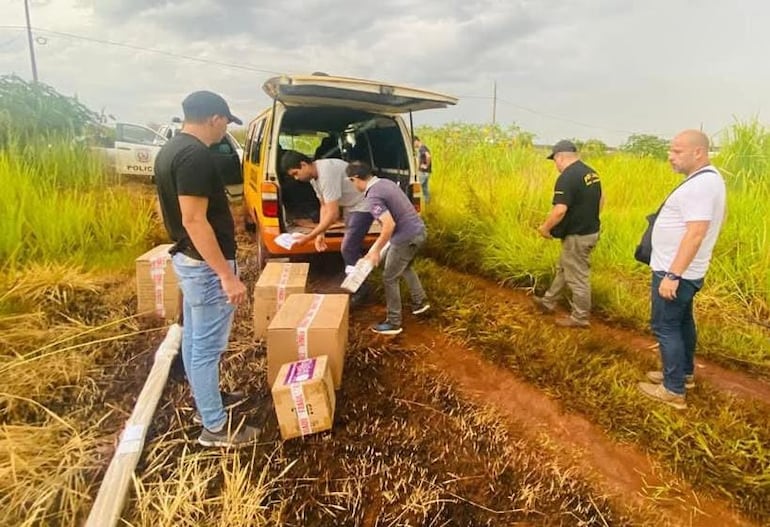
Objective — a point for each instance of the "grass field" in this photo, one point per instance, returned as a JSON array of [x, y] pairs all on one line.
[[490, 197], [72, 357]]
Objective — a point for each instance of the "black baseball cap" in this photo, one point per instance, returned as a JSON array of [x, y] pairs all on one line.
[[562, 146], [202, 104]]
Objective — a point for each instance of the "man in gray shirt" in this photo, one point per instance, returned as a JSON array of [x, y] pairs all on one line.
[[334, 191], [405, 230]]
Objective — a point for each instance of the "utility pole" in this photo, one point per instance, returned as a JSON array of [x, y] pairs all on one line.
[[494, 102], [31, 45]]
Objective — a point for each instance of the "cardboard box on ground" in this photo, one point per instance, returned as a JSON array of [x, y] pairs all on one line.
[[309, 326], [157, 289], [276, 283], [303, 396]]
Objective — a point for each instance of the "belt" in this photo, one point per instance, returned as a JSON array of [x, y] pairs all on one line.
[[187, 251]]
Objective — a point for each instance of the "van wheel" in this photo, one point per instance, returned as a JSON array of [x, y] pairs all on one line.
[[261, 255], [248, 222]]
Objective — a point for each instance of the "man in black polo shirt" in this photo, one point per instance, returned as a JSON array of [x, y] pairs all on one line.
[[198, 219], [574, 219]]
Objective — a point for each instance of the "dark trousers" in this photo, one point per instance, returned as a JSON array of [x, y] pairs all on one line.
[[398, 263], [674, 326]]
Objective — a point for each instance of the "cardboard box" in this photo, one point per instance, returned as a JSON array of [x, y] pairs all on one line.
[[276, 283], [309, 326], [157, 289], [303, 396]]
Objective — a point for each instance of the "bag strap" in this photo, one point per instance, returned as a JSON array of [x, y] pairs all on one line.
[[689, 178]]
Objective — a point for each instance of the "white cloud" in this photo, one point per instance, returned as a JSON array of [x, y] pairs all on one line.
[[617, 66]]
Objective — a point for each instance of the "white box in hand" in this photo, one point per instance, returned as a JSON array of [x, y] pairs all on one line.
[[358, 274]]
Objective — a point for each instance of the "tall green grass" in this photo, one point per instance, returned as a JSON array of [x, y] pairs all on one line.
[[489, 197], [57, 205]]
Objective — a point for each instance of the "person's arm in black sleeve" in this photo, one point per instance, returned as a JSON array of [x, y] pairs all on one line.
[[563, 195]]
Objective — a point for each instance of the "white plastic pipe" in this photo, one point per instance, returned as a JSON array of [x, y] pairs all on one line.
[[109, 502]]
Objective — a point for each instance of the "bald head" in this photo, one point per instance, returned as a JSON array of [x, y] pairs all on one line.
[[694, 138], [689, 151]]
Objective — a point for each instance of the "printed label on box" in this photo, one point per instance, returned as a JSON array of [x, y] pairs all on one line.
[[300, 371]]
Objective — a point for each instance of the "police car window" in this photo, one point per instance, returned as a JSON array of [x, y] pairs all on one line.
[[138, 135]]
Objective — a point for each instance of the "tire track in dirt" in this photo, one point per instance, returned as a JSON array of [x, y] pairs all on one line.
[[737, 383], [628, 475]]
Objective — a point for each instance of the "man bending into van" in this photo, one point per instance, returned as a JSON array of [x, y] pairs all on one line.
[[334, 191], [405, 230]]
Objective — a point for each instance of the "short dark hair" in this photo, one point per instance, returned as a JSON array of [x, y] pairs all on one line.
[[292, 159], [360, 170], [417, 138]]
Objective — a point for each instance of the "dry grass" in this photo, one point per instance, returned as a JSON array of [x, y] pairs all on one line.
[[45, 471], [405, 451]]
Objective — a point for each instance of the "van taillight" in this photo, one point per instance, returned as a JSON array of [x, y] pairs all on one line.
[[269, 200], [416, 196]]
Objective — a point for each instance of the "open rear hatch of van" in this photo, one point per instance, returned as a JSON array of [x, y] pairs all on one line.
[[359, 94]]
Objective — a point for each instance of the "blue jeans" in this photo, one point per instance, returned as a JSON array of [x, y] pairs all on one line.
[[207, 322], [357, 224], [674, 326], [424, 178], [398, 263]]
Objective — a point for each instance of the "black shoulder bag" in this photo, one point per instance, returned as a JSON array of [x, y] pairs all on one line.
[[643, 252]]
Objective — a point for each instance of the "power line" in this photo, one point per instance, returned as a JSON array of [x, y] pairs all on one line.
[[548, 115], [247, 67], [251, 67], [565, 119], [10, 41]]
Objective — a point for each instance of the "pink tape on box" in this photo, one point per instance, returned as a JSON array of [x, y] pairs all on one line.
[[304, 325], [158, 274], [281, 292], [298, 373]]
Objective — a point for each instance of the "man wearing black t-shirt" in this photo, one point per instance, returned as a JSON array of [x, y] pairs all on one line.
[[574, 219], [198, 219]]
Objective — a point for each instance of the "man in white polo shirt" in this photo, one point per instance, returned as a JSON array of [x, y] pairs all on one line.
[[683, 238]]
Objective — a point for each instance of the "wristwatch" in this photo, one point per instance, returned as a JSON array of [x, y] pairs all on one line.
[[672, 276]]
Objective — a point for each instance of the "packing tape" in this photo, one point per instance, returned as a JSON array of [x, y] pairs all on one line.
[[131, 440], [304, 325], [303, 418], [280, 296], [158, 273]]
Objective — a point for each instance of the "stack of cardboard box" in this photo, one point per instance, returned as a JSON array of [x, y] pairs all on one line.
[[306, 335], [306, 327]]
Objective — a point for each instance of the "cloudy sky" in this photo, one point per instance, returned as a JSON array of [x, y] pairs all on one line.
[[563, 68]]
